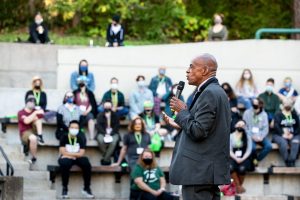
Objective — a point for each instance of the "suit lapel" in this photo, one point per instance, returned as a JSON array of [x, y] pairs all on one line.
[[212, 80]]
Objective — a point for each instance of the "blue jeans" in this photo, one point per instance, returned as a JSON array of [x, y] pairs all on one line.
[[245, 101], [121, 113], [266, 148]]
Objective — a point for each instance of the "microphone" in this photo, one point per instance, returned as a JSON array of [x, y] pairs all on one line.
[[179, 89], [178, 93]]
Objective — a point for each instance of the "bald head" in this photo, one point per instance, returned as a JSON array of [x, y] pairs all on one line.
[[202, 68], [207, 60]]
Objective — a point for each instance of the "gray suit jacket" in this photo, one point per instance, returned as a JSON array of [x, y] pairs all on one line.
[[201, 153]]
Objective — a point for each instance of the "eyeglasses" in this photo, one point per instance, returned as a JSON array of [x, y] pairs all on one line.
[[148, 110]]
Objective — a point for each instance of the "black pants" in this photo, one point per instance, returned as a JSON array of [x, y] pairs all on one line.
[[200, 192], [141, 195], [83, 163]]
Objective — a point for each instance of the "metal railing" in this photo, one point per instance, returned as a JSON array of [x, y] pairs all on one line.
[[9, 167], [260, 31]]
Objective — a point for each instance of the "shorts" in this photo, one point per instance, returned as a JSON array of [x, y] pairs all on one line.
[[26, 134], [87, 118]]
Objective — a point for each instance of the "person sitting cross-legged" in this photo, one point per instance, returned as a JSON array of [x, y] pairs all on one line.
[[72, 149], [30, 127], [108, 132]]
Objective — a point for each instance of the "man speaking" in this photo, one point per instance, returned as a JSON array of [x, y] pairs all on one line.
[[200, 161]]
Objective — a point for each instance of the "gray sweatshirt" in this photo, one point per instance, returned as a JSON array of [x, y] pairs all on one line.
[[256, 125]]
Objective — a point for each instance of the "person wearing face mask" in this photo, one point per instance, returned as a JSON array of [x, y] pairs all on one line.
[[115, 33], [257, 126], [138, 97], [66, 113], [246, 89], [38, 32], [30, 127], [271, 101], [235, 113], [160, 86], [38, 93], [85, 99], [240, 151], [286, 133], [72, 149], [108, 132], [148, 182], [82, 71], [117, 98], [134, 143], [288, 91], [218, 32]]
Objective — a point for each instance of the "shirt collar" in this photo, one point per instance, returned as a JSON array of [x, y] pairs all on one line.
[[198, 89]]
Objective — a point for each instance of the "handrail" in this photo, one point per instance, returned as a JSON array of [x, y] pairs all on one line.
[[8, 164], [260, 31]]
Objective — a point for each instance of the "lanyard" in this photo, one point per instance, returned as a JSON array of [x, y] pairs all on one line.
[[162, 80], [138, 138], [37, 96], [114, 98], [149, 121], [70, 140], [255, 119], [289, 118]]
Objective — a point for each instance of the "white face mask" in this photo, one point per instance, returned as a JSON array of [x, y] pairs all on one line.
[[247, 76], [114, 86], [141, 83], [74, 131], [269, 88], [39, 21]]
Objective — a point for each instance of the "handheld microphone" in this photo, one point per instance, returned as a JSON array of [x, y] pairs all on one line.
[[179, 89], [178, 93]]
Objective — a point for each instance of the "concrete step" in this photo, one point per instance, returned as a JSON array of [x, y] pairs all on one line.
[[37, 175], [37, 194], [32, 183]]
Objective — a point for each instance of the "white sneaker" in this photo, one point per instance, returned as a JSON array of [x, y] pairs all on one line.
[[88, 194]]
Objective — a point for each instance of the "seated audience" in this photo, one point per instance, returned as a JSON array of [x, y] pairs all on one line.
[[85, 99], [152, 120], [160, 85], [257, 127], [72, 149], [117, 99], [66, 113], [297, 106], [38, 32], [38, 93], [286, 133], [82, 71], [148, 182], [30, 127], [218, 32], [270, 99], [108, 132], [138, 97], [115, 33], [240, 151], [134, 143], [288, 91], [235, 113], [246, 89]]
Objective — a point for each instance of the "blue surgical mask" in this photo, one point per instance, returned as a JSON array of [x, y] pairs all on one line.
[[288, 84], [162, 72], [269, 88], [83, 68], [141, 84], [70, 100]]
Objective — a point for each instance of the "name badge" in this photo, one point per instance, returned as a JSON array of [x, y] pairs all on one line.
[[37, 108], [139, 150], [108, 139], [82, 108], [238, 153], [73, 148], [255, 130], [108, 130]]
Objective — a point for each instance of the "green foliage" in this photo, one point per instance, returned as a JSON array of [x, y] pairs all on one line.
[[151, 20]]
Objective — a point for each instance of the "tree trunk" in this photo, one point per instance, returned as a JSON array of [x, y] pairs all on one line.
[[297, 17], [31, 7]]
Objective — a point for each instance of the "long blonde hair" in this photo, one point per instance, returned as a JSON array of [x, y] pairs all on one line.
[[242, 80]]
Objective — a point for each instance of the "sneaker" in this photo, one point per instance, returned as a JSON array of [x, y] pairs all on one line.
[[64, 194], [41, 140], [87, 193], [32, 160]]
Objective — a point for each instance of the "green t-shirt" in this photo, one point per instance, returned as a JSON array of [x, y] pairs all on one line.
[[150, 177]]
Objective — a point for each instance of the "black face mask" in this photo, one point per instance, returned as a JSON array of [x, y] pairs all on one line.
[[148, 161], [81, 85], [107, 110], [255, 106], [240, 129], [227, 91], [37, 87]]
